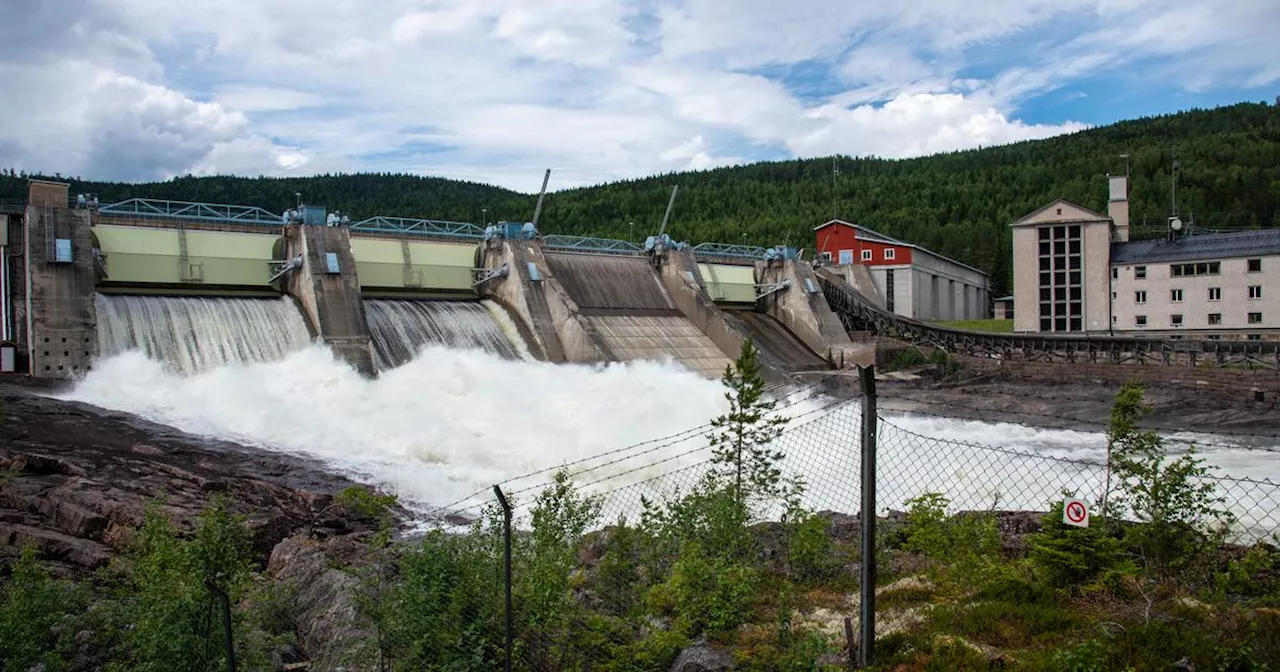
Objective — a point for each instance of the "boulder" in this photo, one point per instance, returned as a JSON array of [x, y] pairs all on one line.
[[702, 657], [331, 630]]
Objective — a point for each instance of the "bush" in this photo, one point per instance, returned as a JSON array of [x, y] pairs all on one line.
[[1069, 556], [960, 538], [37, 617], [707, 594]]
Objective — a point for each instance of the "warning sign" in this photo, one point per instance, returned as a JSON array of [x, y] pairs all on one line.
[[1075, 512]]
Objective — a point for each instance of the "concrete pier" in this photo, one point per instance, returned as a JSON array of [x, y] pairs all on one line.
[[806, 313], [328, 289], [56, 316]]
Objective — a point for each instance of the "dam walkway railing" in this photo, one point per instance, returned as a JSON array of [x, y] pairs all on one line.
[[859, 314]]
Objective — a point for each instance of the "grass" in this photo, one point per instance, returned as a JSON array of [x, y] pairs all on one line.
[[991, 326]]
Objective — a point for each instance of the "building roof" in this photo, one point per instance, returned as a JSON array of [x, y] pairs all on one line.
[[1199, 247], [877, 237], [1083, 214], [1005, 298]]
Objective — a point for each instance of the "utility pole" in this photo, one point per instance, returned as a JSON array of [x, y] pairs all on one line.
[[1173, 188], [835, 171]]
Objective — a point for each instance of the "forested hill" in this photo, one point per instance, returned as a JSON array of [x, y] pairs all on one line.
[[958, 204]]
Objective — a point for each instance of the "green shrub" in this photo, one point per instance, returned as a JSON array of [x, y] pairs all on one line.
[[618, 575], [1069, 556], [960, 538], [1087, 656], [706, 593], [38, 617]]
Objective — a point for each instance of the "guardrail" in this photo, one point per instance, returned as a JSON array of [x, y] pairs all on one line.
[[859, 314]]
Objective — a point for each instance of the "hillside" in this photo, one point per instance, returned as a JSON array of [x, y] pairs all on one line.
[[958, 204]]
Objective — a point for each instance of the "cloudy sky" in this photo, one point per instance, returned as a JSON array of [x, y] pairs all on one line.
[[496, 90]]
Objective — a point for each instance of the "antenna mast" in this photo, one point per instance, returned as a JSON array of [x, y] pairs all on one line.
[[1173, 188]]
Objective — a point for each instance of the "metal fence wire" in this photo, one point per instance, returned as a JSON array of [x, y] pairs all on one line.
[[822, 445]]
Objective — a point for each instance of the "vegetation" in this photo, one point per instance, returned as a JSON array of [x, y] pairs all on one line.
[[736, 561], [991, 326], [958, 204]]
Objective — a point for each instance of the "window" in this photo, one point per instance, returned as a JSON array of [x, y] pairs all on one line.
[[1061, 265], [1202, 268], [888, 290], [846, 257], [1215, 318], [1140, 272], [826, 256], [1175, 320], [1140, 320], [1215, 293], [1255, 265], [1255, 318], [1175, 295], [1255, 291], [866, 255], [1140, 297], [1255, 337], [1115, 273], [890, 254]]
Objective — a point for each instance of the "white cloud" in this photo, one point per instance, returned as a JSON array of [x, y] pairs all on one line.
[[494, 90]]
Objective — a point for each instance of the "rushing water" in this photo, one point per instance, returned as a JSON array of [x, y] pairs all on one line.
[[194, 334], [400, 328]]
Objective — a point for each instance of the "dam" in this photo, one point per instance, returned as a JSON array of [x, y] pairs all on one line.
[[200, 286]]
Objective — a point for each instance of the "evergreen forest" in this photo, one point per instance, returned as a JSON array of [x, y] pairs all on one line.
[[958, 204]]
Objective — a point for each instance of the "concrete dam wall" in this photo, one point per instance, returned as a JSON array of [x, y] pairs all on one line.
[[400, 328], [621, 301]]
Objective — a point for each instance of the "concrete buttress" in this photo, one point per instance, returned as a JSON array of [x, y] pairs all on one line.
[[807, 314], [328, 289], [59, 315]]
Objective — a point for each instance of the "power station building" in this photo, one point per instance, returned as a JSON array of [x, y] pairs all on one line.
[[909, 280], [1076, 270]]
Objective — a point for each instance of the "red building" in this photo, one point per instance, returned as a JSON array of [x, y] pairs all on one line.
[[910, 280]]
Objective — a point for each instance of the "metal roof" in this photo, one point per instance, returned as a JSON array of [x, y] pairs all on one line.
[[1199, 247], [877, 237]]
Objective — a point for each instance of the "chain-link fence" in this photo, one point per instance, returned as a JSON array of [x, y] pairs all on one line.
[[616, 532]]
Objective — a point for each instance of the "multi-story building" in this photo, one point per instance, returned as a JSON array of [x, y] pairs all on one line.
[[1075, 270], [910, 280]]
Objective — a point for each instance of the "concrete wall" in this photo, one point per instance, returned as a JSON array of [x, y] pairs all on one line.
[[331, 302], [807, 315], [59, 314], [1096, 232], [1097, 276], [728, 283], [945, 300]]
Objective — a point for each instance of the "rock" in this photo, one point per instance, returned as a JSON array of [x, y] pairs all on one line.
[[1185, 665], [81, 479], [702, 658], [83, 638], [330, 627]]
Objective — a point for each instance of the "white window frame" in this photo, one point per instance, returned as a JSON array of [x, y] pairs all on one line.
[[1215, 290], [1175, 296], [1255, 292], [1249, 318], [1140, 297], [1176, 320], [868, 255], [846, 255], [890, 254], [1139, 272], [1140, 321], [826, 256]]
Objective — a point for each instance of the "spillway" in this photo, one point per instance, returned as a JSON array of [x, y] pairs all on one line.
[[400, 329], [623, 300], [195, 334], [777, 344]]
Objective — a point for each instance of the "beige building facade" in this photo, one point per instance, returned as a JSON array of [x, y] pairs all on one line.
[[1076, 271]]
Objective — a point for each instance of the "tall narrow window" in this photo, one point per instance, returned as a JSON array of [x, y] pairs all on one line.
[[1140, 297], [1215, 293], [1061, 278], [888, 290]]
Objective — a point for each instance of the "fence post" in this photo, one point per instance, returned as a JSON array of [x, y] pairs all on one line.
[[866, 643], [506, 570], [228, 641]]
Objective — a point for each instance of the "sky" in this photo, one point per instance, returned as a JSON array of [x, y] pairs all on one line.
[[496, 91]]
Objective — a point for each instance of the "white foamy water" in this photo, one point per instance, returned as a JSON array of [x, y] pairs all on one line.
[[446, 424]]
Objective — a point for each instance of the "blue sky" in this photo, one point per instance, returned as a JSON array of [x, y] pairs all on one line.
[[496, 90]]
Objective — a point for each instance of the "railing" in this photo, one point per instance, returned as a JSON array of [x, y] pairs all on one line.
[[206, 212], [419, 227], [587, 244], [721, 250], [859, 314]]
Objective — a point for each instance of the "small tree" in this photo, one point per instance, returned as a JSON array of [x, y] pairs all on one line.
[[741, 439], [1170, 496]]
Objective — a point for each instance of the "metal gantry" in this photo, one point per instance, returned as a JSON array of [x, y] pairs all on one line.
[[588, 244], [722, 250], [419, 227], [183, 210]]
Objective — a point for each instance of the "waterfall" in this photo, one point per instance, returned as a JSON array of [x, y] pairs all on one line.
[[400, 328], [194, 334]]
